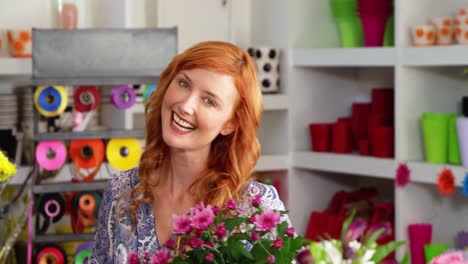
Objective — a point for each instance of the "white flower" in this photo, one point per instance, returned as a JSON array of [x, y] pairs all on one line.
[[333, 253], [355, 245], [368, 256]]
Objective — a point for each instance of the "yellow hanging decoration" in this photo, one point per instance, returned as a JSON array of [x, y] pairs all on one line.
[[50, 101], [123, 153]]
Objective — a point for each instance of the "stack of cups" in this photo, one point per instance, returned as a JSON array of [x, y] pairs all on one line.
[[461, 26], [444, 29], [419, 236], [349, 25], [374, 15]]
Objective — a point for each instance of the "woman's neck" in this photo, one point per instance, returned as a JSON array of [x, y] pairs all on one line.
[[182, 169]]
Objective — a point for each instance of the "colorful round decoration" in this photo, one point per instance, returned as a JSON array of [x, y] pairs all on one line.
[[123, 96], [149, 89], [51, 255], [123, 153], [51, 155], [83, 256], [50, 101], [87, 153], [86, 98]]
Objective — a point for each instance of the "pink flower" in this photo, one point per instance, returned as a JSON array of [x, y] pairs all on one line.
[[270, 259], [202, 217], [448, 258], [254, 236], [278, 243], [257, 201], [252, 219], [220, 230], [182, 224], [402, 175], [170, 244], [304, 257], [195, 242], [231, 204], [161, 257], [267, 220], [290, 231], [209, 257], [133, 258], [216, 209], [208, 243]]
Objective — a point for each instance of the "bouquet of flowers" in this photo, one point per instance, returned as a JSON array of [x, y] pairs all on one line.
[[230, 234], [357, 246]]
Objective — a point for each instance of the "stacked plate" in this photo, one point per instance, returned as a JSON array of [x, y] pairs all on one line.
[[8, 111], [374, 16]]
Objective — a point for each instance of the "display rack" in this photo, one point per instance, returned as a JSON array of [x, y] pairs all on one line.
[[109, 57]]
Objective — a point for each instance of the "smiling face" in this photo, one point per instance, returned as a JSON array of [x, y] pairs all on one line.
[[196, 108]]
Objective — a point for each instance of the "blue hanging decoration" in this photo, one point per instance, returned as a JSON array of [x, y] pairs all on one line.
[[465, 185]]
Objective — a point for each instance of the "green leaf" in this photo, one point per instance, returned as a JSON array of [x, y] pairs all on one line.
[[374, 237], [282, 228], [232, 223], [238, 251], [382, 251], [347, 222], [406, 258]]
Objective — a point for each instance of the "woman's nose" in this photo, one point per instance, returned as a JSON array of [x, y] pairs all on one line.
[[188, 105]]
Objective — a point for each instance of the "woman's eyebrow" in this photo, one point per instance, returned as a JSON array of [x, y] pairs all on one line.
[[186, 76]]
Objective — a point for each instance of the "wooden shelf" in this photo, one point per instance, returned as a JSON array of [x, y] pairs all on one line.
[[344, 57], [345, 163]]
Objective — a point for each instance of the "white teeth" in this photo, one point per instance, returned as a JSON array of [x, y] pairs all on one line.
[[184, 126]]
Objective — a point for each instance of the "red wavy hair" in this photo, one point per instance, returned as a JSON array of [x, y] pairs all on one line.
[[232, 157]]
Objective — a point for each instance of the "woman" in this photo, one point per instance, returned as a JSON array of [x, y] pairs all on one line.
[[201, 145]]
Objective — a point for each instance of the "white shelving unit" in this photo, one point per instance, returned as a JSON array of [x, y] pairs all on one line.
[[325, 79]]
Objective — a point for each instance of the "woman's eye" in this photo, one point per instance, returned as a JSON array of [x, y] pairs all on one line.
[[183, 83], [210, 102]]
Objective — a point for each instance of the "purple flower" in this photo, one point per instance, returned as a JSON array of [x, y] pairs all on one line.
[[254, 236], [278, 243], [220, 230], [170, 244], [270, 259], [355, 230], [267, 220], [195, 242], [290, 231], [257, 201], [202, 217], [209, 257], [133, 258], [161, 257], [231, 204], [182, 224], [349, 253]]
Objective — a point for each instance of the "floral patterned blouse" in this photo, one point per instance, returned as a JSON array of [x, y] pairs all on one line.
[[114, 238]]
